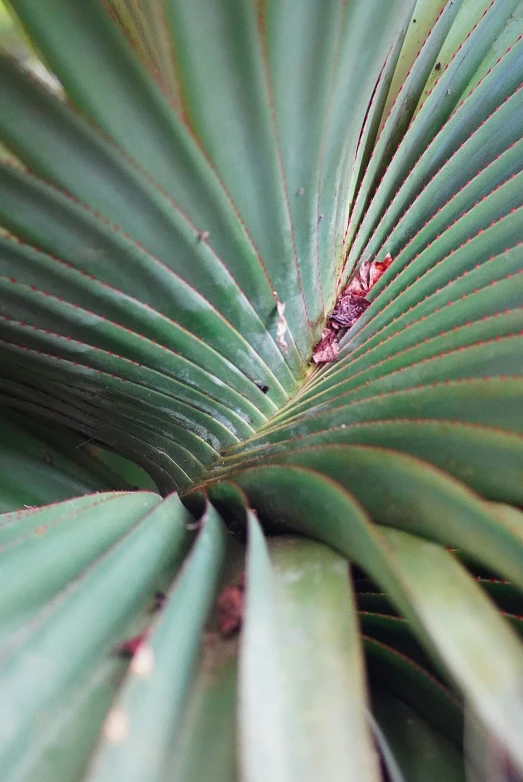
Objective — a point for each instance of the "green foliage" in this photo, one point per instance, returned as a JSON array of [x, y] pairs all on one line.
[[177, 222]]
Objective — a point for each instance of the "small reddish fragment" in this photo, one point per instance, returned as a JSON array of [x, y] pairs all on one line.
[[130, 646], [359, 285], [230, 610], [367, 276], [378, 269], [327, 348]]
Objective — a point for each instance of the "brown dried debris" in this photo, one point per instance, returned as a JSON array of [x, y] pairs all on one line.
[[327, 348], [348, 309], [230, 608]]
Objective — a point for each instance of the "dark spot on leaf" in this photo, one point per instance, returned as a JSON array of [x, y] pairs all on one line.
[[159, 600], [262, 388], [437, 67]]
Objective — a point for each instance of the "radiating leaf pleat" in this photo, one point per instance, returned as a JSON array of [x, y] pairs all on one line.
[[83, 242], [59, 645], [169, 463], [420, 578], [304, 38], [435, 112], [81, 161], [152, 700], [132, 325], [400, 676], [388, 484], [59, 467], [421, 752], [402, 109], [208, 43], [358, 71], [107, 83]]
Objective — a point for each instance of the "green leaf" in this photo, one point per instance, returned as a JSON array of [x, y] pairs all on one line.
[[477, 648], [140, 727], [421, 753], [64, 637], [402, 492], [402, 108], [210, 718], [436, 111], [177, 221], [40, 465], [300, 605]]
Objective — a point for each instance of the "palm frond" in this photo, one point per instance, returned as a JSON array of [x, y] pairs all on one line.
[[176, 228]]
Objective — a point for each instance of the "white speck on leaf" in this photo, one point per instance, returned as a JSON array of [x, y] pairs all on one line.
[[142, 663], [327, 349], [281, 326], [116, 726]]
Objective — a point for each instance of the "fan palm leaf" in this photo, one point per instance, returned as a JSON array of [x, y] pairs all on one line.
[[179, 220]]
